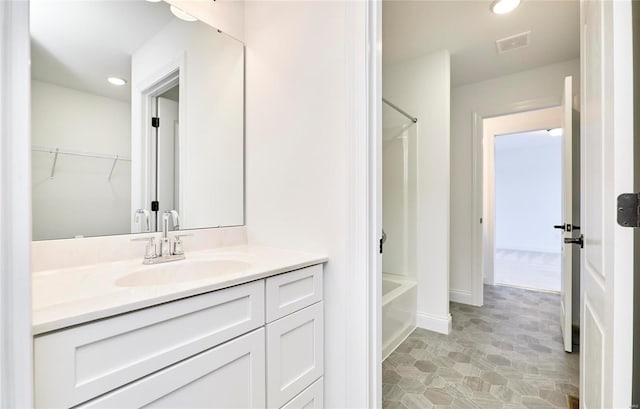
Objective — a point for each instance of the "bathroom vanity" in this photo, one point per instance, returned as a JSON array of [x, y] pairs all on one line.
[[209, 325], [238, 327]]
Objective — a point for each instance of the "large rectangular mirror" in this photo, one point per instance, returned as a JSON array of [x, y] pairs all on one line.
[[137, 108]]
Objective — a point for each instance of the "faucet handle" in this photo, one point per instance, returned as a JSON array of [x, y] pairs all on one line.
[[150, 249], [177, 244]]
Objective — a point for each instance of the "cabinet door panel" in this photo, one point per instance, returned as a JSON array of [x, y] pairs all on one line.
[[294, 354], [229, 376], [79, 363]]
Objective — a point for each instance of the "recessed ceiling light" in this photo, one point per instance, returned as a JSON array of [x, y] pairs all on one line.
[[182, 15], [117, 81], [555, 131], [504, 6]]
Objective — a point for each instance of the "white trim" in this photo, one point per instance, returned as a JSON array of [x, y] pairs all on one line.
[[621, 332], [16, 354], [439, 324], [477, 279], [373, 47], [548, 250], [461, 296], [404, 334], [362, 331], [477, 119]]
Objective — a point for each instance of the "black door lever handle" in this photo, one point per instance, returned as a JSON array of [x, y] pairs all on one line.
[[577, 240], [559, 226]]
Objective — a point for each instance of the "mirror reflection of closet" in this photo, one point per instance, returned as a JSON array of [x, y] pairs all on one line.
[[165, 147], [100, 71]]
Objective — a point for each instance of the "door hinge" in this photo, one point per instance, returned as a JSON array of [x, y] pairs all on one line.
[[629, 210], [155, 122], [155, 206]]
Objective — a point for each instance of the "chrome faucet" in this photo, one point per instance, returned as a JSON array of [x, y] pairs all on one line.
[[167, 253], [165, 243], [146, 214]]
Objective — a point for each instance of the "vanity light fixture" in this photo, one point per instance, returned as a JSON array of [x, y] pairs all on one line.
[[117, 81], [181, 14], [555, 131], [504, 6]]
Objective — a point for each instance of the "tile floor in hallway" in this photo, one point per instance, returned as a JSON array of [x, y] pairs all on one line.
[[506, 354]]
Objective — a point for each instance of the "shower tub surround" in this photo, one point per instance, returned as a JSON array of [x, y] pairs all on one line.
[[398, 311]]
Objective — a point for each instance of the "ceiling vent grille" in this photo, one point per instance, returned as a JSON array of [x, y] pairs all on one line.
[[513, 42]]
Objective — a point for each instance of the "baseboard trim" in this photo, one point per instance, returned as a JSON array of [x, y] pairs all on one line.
[[531, 249], [461, 296], [398, 340], [440, 324]]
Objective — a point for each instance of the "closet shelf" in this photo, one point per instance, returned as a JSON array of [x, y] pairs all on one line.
[[58, 151]]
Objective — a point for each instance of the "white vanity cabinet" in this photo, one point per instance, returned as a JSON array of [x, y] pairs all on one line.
[[254, 345], [295, 347]]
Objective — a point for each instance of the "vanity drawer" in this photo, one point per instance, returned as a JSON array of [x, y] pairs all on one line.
[[310, 398], [79, 363], [229, 376], [290, 292]]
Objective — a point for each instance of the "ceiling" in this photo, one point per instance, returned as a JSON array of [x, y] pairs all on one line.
[[468, 29], [78, 44]]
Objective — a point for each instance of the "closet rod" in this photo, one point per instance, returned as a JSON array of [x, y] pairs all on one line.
[[412, 118], [40, 148]]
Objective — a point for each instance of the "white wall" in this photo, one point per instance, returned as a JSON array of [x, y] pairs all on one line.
[[528, 186], [79, 200], [536, 88], [421, 86], [211, 121], [299, 72]]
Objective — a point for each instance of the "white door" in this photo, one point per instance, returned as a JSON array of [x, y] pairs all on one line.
[[167, 153], [606, 303], [567, 215]]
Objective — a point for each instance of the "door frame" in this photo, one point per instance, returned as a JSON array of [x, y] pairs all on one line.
[[526, 121], [143, 108], [16, 351], [477, 118], [363, 333]]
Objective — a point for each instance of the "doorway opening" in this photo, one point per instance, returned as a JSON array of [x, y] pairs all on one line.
[[528, 203], [159, 127], [165, 148]]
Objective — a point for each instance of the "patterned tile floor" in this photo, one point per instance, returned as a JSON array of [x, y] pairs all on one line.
[[507, 354]]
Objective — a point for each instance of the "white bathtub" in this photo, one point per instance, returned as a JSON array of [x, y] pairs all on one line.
[[399, 306]]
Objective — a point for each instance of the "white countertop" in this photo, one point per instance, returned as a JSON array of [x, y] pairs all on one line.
[[66, 297]]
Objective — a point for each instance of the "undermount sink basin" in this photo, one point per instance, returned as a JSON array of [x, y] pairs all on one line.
[[181, 271]]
